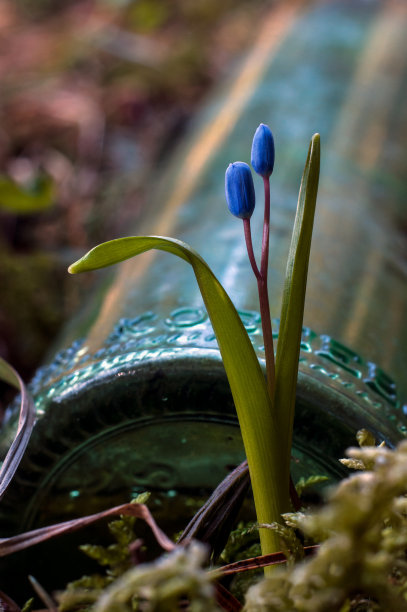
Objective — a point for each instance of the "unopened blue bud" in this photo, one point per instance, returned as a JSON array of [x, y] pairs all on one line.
[[263, 151], [239, 189]]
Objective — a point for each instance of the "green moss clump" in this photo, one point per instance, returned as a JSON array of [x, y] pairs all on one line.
[[362, 561]]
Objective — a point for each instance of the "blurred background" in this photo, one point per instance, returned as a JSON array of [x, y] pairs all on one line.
[[95, 95]]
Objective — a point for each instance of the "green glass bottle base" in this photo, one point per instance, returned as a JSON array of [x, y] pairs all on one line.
[[138, 418]]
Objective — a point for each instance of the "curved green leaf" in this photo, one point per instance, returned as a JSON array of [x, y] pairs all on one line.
[[253, 405], [292, 309], [25, 425]]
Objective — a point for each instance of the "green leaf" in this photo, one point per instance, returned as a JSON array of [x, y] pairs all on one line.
[[28, 606], [25, 425], [253, 405], [292, 309], [23, 201], [305, 483]]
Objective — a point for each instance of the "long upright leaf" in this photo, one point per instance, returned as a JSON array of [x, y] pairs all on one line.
[[292, 309], [260, 435], [25, 424]]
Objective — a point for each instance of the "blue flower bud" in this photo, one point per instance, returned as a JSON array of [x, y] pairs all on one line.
[[263, 151], [239, 189]]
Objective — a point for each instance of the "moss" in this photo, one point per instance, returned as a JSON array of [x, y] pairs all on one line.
[[361, 563]]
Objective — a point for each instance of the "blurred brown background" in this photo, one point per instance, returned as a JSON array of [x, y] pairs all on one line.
[[94, 95]]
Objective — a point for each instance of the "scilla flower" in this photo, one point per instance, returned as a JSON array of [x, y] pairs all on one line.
[[239, 189], [263, 151]]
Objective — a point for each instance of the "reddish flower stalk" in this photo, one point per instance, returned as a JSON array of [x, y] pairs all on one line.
[[261, 277]]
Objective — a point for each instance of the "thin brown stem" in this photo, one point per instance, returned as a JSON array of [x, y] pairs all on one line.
[[261, 276], [266, 229], [267, 334], [249, 246], [263, 292]]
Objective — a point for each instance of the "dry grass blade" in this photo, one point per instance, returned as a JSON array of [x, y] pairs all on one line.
[[25, 425], [43, 595], [226, 600], [212, 523], [259, 562], [30, 538], [7, 604]]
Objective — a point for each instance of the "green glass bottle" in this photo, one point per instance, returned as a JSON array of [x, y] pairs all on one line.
[[137, 399]]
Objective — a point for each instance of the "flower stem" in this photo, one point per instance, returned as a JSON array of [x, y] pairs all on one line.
[[267, 335], [266, 229], [263, 294], [249, 246], [261, 277]]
